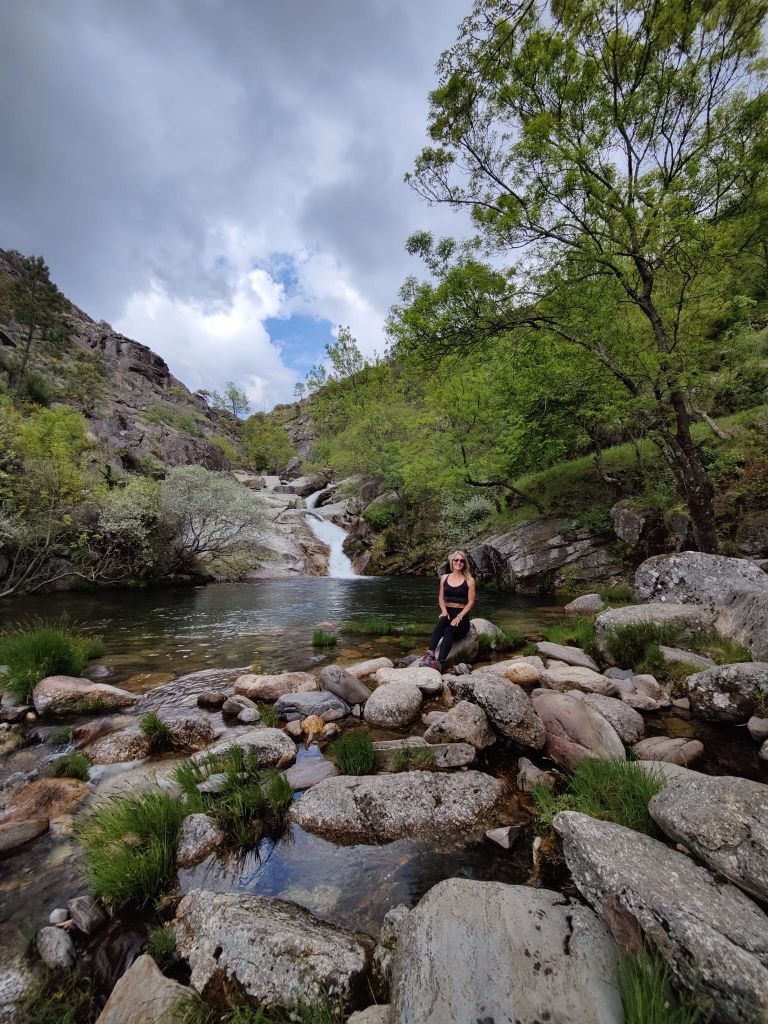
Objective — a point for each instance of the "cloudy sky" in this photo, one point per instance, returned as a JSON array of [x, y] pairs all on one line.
[[221, 179]]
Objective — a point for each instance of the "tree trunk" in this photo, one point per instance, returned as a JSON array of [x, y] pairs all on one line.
[[697, 488]]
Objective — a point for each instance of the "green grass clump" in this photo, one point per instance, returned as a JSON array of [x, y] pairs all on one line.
[[269, 716], [62, 736], [323, 1010], [354, 754], [578, 632], [407, 643], [252, 800], [38, 649], [159, 735], [322, 639], [616, 593], [510, 640], [378, 625], [484, 642], [69, 766], [60, 997], [413, 757], [606, 788], [632, 644], [130, 847], [648, 996], [161, 946]]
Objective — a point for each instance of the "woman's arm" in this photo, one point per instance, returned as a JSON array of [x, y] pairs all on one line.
[[468, 606], [441, 599]]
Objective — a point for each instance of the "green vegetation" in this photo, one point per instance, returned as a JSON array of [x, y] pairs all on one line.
[[637, 646], [378, 625], [577, 632], [413, 757], [353, 753], [323, 1010], [159, 735], [37, 649], [269, 716], [59, 997], [172, 416], [161, 946], [266, 444], [75, 765], [616, 594], [648, 997], [607, 788], [322, 639], [629, 645], [251, 801], [62, 736], [130, 847]]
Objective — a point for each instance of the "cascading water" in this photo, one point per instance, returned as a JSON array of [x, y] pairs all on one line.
[[339, 566]]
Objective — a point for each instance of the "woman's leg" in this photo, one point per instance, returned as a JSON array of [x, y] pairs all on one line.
[[443, 623], [450, 635]]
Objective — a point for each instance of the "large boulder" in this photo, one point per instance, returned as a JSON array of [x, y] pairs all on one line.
[[724, 822], [271, 747], [485, 951], [465, 722], [144, 994], [68, 695], [728, 693], [267, 951], [271, 688], [714, 938], [343, 684], [687, 619], [380, 808], [428, 680], [628, 723], [394, 704], [733, 590], [294, 706], [188, 733], [508, 707], [574, 730], [572, 677], [464, 650], [587, 604]]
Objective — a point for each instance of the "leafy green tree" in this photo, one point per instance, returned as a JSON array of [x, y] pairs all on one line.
[[37, 306], [299, 391], [605, 141], [266, 443], [234, 401]]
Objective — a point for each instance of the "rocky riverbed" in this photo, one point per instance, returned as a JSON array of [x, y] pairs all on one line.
[[422, 892]]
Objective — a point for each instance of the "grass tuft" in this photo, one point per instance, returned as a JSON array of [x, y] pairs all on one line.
[[69, 766], [378, 625], [130, 847], [157, 732], [606, 788], [413, 757], [578, 632], [648, 996], [322, 639], [36, 649], [354, 754], [59, 997], [637, 644], [322, 1010], [615, 594], [161, 946], [269, 716], [62, 736]]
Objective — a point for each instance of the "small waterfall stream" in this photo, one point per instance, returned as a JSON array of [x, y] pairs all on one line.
[[339, 566]]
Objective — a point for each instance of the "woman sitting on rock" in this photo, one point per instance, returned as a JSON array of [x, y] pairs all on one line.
[[456, 597]]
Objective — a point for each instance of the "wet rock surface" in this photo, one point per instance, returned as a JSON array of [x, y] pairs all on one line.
[[714, 937], [69, 695], [272, 952], [14, 834], [535, 957], [723, 821], [375, 809], [675, 749]]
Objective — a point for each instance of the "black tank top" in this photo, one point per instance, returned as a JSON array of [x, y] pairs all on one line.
[[455, 595]]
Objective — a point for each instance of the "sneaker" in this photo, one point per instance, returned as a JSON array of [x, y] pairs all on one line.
[[424, 660]]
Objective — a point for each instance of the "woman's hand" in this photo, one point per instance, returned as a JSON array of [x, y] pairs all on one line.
[[456, 621]]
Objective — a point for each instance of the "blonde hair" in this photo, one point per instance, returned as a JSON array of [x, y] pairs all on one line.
[[465, 571]]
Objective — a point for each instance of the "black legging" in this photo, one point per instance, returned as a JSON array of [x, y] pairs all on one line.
[[444, 635]]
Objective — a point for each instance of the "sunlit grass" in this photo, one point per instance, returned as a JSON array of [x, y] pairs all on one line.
[[36, 649]]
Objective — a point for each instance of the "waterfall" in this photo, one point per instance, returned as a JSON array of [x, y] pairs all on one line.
[[339, 566]]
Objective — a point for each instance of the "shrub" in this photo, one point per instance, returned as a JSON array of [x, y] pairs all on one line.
[[607, 788], [466, 518], [648, 996], [70, 766], [38, 649], [161, 946], [322, 639], [379, 517], [628, 644], [130, 847], [62, 736], [510, 639], [157, 732], [354, 754], [251, 801], [60, 997]]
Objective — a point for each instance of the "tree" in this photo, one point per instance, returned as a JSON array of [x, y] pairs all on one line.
[[233, 401], [317, 378], [299, 391], [606, 141], [266, 443], [37, 306]]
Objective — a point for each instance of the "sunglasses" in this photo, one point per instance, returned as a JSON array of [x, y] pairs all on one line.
[[460, 561]]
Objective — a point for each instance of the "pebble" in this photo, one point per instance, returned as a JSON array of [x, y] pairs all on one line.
[[59, 915]]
